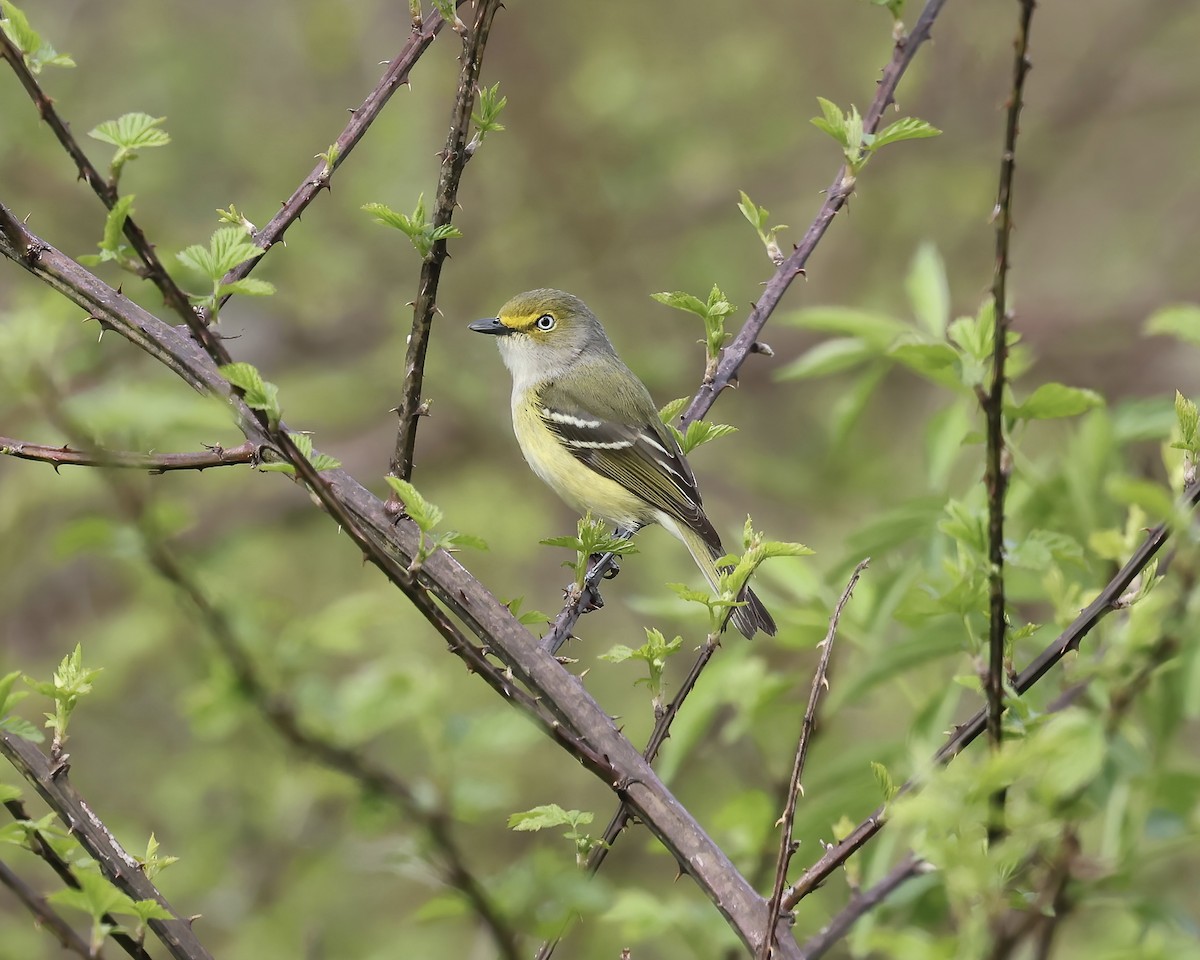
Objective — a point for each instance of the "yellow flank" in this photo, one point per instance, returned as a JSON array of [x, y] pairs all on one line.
[[580, 487]]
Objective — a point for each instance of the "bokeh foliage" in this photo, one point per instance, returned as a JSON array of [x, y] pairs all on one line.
[[617, 176]]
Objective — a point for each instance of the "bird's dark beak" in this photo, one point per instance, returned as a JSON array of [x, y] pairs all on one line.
[[490, 325]]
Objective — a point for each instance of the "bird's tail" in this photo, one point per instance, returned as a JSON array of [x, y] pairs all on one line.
[[749, 619]]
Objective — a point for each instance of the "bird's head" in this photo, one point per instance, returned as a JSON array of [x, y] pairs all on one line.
[[542, 332]]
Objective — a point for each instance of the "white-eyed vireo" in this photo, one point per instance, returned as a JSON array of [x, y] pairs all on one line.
[[588, 427]]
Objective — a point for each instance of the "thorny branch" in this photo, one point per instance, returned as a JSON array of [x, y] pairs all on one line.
[[66, 456], [41, 847], [861, 903], [46, 916], [820, 682], [998, 459], [122, 870], [454, 159]]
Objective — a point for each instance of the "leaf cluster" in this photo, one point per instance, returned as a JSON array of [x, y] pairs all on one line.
[[129, 133], [36, 52], [713, 312], [416, 227], [551, 815], [857, 145], [228, 247], [592, 538], [427, 517]]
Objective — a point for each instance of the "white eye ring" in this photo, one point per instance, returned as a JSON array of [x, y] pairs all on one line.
[[545, 322]]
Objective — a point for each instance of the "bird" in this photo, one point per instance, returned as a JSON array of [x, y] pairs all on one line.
[[588, 427]]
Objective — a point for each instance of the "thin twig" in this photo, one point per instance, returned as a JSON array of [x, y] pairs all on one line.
[[454, 160], [122, 870], [820, 682], [860, 904], [47, 917], [174, 296], [214, 456], [742, 345], [999, 463], [41, 847], [361, 118], [1106, 601]]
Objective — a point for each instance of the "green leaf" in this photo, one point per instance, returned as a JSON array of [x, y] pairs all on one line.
[[6, 685], [673, 409], [829, 357], [887, 786], [114, 227], [36, 52], [934, 361], [1189, 418], [907, 128], [928, 289], [257, 393], [546, 816], [247, 287], [487, 110], [832, 121], [1052, 400], [132, 132], [682, 301], [423, 513], [877, 329], [416, 227], [701, 432], [1180, 320], [228, 247]]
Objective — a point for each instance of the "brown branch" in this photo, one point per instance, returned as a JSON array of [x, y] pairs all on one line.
[[1109, 599], [214, 456], [820, 681], [998, 461], [361, 118], [46, 916], [861, 904], [743, 344], [577, 722], [454, 159], [174, 297], [658, 736], [54, 785], [41, 847]]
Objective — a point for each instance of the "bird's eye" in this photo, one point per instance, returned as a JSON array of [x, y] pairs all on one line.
[[545, 322]]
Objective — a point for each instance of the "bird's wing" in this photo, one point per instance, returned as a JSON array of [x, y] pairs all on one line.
[[616, 431]]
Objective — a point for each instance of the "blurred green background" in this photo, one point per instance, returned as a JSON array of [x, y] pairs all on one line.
[[630, 129]]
